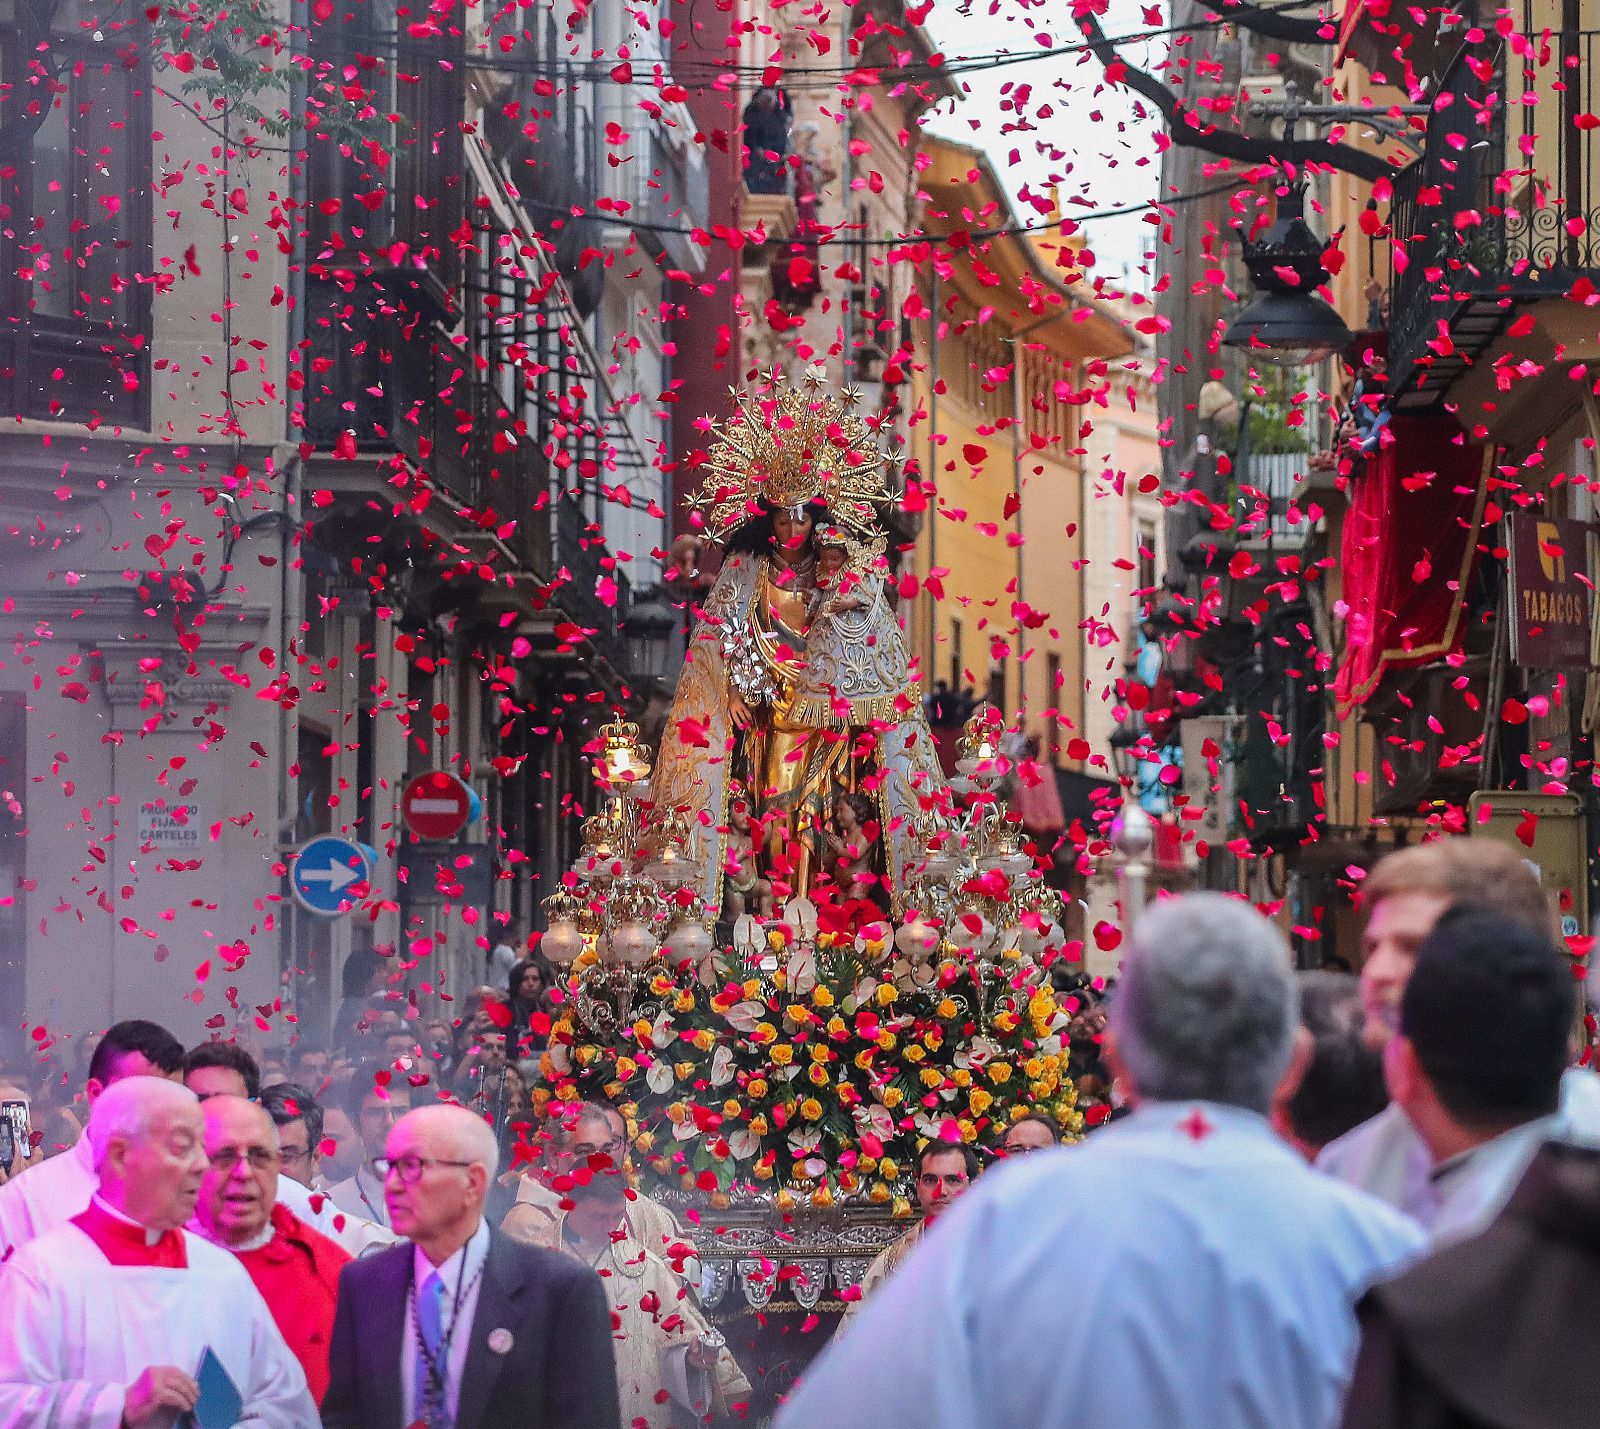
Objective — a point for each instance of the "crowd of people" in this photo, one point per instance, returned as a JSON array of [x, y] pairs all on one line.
[[1313, 1200]]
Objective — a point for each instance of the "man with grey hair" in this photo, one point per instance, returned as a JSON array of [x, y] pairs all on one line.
[[106, 1320], [1222, 1270], [464, 1328]]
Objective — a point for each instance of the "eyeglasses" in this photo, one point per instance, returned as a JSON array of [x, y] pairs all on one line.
[[410, 1168], [615, 1148], [259, 1157], [294, 1155]]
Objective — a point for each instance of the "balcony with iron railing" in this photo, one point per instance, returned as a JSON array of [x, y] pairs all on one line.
[[1501, 210]]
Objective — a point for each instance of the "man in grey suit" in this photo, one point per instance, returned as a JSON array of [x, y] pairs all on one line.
[[464, 1328]]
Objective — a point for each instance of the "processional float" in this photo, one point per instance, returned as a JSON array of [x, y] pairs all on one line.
[[794, 948]]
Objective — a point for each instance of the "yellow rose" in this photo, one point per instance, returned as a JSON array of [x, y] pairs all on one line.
[[931, 1078], [641, 1028], [878, 1194], [757, 1087], [999, 1073], [818, 1074], [902, 1207], [961, 1077], [822, 1196], [758, 1126], [915, 1053], [677, 1113], [683, 1070], [626, 1067], [821, 996], [1005, 1022], [731, 1108], [752, 988], [889, 1167], [980, 1101], [683, 1002], [784, 1199], [661, 985], [613, 1090], [798, 1014], [1033, 1067], [811, 1109], [836, 1026], [886, 993], [704, 1040], [586, 1055], [888, 1041], [764, 1033], [819, 1053], [863, 1060], [947, 1008], [645, 1140], [968, 1131], [783, 1054], [892, 1097]]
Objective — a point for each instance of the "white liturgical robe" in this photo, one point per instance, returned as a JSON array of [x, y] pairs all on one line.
[[1183, 1268], [76, 1331], [44, 1196], [1386, 1158]]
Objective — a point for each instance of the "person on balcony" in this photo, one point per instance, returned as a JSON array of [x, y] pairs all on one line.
[[766, 138]]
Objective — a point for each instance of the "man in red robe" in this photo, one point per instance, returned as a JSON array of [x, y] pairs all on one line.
[[295, 1268]]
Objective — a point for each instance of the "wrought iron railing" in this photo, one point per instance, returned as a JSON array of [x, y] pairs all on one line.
[[579, 551], [1504, 203]]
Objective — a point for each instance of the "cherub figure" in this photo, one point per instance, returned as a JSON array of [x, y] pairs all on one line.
[[745, 891]]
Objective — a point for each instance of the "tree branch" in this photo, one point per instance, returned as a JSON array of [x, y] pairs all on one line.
[[1186, 127], [1297, 30]]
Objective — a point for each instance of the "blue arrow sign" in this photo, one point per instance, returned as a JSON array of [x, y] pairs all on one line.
[[325, 873]]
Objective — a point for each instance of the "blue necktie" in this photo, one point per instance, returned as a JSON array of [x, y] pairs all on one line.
[[433, 1404]]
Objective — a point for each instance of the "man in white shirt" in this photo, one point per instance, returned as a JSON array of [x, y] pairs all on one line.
[[375, 1109], [1404, 896], [53, 1191], [106, 1319], [1477, 1062], [1218, 1272]]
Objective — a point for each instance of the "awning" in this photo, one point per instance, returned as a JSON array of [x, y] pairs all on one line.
[[1410, 543]]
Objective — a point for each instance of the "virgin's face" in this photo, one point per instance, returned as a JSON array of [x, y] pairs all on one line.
[[791, 531]]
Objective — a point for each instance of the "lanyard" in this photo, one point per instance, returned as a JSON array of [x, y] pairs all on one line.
[[439, 1364], [380, 1218]]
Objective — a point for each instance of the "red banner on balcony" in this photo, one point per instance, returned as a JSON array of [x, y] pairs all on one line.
[[1410, 543]]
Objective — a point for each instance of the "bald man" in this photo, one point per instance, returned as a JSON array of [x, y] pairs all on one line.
[[464, 1327], [295, 1268], [105, 1319]]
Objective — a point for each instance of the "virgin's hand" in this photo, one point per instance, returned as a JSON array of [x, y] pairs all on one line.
[[739, 711]]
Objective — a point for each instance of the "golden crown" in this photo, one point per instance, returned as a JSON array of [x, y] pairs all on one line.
[[788, 445]]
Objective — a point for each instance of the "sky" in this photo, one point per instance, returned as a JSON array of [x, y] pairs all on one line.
[[1073, 130]]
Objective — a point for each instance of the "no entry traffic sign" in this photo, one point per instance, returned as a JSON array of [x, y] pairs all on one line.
[[436, 805]]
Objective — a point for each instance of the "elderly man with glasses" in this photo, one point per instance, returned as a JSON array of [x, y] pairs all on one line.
[[464, 1328], [295, 1268]]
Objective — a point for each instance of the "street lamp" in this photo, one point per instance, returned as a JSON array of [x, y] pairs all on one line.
[[1288, 325], [1133, 835], [648, 629]]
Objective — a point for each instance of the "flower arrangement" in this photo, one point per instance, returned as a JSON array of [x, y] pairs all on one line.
[[819, 1069]]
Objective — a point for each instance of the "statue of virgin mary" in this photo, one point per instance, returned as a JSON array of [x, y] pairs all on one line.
[[796, 690]]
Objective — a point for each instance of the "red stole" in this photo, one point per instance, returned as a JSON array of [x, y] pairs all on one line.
[[125, 1244]]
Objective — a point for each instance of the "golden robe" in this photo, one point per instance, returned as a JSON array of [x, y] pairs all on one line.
[[816, 679]]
